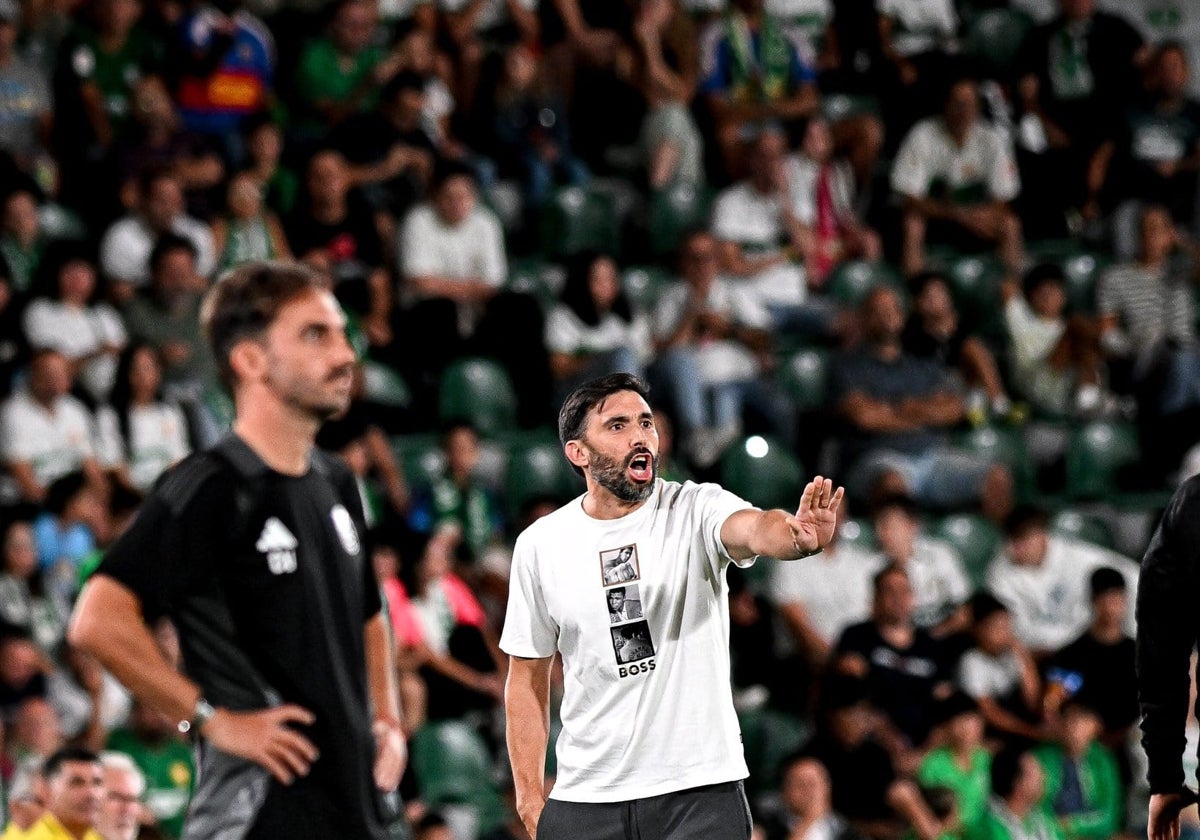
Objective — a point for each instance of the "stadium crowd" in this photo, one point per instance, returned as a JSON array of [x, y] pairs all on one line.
[[945, 251]]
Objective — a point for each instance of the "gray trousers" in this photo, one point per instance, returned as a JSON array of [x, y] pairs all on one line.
[[712, 812]]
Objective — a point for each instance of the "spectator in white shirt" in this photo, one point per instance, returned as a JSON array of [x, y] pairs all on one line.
[[956, 176], [140, 435], [1043, 579], [89, 334], [593, 331], [999, 672], [933, 566], [126, 246], [44, 432]]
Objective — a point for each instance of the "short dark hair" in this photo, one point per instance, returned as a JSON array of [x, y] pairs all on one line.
[[1040, 275], [1006, 768], [168, 244], [54, 764], [919, 281], [245, 301], [984, 605], [895, 501], [445, 170], [1106, 579], [620, 589], [572, 418], [1025, 518], [60, 493], [402, 81]]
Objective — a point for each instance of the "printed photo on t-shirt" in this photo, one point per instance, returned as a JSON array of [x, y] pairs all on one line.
[[631, 642], [624, 603], [619, 565]]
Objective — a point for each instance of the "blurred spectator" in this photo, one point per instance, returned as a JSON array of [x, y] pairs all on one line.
[[164, 759], [668, 71], [14, 349], [822, 596], [823, 192], [25, 104], [157, 141], [806, 811], [458, 499], [917, 37], [531, 136], [999, 673], [1075, 70], [754, 74], [961, 764], [1083, 786], [226, 70], [22, 601], [1098, 668], [389, 148], [166, 316], [121, 809], [264, 152], [759, 673], [25, 803], [336, 226], [866, 788], [594, 331], [74, 783], [22, 241], [957, 177], [712, 339], [45, 432], [22, 699], [933, 567], [432, 826], [900, 410], [126, 246], [73, 521], [69, 319], [1154, 156], [340, 73], [1056, 359], [386, 561], [763, 241], [935, 331], [89, 702], [1043, 579], [248, 231], [1015, 811], [901, 663], [142, 435], [99, 63], [419, 54]]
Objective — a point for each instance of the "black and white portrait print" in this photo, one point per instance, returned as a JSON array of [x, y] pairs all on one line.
[[631, 642], [624, 603], [619, 565]]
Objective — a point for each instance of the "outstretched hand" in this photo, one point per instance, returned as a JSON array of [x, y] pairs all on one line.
[[816, 517]]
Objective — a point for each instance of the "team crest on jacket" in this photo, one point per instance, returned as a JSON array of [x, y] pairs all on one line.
[[344, 525]]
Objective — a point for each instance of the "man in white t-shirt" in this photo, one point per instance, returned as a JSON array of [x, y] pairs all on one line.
[[1043, 578], [649, 731], [46, 433], [956, 175]]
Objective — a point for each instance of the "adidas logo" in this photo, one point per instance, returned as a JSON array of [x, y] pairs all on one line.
[[279, 544]]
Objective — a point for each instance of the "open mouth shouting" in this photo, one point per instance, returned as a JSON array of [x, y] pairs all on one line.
[[641, 467]]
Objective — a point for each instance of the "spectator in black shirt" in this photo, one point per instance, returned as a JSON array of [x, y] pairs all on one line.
[[901, 663], [1099, 666], [253, 550]]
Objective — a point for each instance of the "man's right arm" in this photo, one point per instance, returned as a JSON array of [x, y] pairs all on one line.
[[527, 709]]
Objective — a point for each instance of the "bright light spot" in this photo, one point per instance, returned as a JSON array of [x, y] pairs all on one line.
[[756, 447]]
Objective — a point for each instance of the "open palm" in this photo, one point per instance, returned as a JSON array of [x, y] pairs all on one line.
[[816, 517]]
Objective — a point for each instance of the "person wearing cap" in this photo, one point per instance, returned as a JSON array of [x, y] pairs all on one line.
[[1083, 785], [962, 764], [25, 101], [1099, 667]]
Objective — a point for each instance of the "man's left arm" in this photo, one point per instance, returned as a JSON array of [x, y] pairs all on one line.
[[390, 753], [776, 533]]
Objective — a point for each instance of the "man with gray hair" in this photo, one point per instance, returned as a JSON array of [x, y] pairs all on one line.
[[121, 807]]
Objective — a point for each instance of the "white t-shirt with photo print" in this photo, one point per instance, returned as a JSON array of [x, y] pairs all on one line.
[[647, 707]]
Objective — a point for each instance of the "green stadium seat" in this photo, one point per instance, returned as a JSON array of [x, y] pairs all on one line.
[[849, 283], [673, 212], [763, 472], [1006, 446], [975, 285], [478, 390], [1083, 526], [644, 285], [1095, 455], [536, 278], [770, 736], [996, 36], [453, 767], [805, 377], [538, 468], [976, 539], [420, 457], [1081, 271], [859, 533], [576, 219], [381, 384], [840, 106]]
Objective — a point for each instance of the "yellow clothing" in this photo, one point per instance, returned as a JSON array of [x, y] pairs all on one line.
[[14, 832], [49, 828]]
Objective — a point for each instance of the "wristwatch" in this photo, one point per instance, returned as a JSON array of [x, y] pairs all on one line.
[[201, 715]]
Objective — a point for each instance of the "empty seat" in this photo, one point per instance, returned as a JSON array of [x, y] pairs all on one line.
[[478, 390], [763, 472]]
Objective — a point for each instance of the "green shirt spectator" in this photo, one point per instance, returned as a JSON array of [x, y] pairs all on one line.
[[1088, 805], [971, 784], [166, 762]]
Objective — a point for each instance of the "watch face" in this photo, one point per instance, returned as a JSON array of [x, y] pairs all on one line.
[[185, 726]]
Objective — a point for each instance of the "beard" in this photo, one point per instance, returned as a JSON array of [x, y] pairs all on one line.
[[319, 400], [612, 475]]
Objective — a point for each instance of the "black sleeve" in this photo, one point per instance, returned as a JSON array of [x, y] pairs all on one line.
[[1166, 632]]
